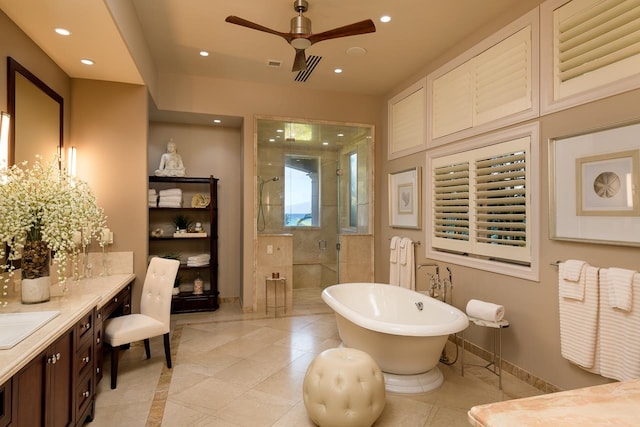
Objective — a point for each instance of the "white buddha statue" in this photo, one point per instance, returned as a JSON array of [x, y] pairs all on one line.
[[171, 162]]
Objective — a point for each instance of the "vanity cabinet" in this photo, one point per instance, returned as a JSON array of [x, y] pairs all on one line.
[[57, 387], [43, 389], [5, 404], [188, 245]]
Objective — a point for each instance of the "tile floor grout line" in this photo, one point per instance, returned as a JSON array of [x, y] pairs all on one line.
[[156, 411]]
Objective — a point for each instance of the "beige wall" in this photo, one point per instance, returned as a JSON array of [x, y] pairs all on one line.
[[109, 128], [533, 340], [210, 150], [247, 100]]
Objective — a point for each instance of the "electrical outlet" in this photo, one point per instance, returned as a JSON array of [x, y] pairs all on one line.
[[269, 249]]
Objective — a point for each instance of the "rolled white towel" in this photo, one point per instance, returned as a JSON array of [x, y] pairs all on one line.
[[485, 310]]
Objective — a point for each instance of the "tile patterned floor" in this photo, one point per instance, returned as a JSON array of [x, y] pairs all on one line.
[[233, 369]]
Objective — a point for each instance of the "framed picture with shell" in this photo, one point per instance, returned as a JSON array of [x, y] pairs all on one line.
[[594, 182]]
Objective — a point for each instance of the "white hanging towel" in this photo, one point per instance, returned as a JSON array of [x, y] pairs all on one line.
[[579, 319], [407, 275], [394, 271], [618, 334], [571, 281], [619, 283]]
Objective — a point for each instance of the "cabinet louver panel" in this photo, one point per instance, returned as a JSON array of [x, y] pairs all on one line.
[[598, 36], [407, 118], [452, 101], [451, 201], [594, 49], [503, 78]]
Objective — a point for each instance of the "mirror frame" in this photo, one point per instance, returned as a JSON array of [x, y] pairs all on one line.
[[13, 67]]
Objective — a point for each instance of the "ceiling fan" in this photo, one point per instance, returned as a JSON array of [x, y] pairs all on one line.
[[300, 36]]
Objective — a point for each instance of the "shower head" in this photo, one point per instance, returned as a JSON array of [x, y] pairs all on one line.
[[264, 181]]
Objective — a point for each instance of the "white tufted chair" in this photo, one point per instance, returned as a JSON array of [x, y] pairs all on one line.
[[343, 387], [153, 319]]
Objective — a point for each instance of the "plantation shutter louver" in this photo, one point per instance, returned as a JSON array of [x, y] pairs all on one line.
[[451, 204], [480, 201], [501, 203], [595, 43], [407, 117]]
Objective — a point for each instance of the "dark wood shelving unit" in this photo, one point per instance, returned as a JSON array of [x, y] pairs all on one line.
[[186, 302]]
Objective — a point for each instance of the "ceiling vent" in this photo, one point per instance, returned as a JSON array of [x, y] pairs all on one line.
[[312, 62], [274, 63]]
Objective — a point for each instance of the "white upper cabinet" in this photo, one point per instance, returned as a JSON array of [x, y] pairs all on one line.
[[590, 50], [491, 85]]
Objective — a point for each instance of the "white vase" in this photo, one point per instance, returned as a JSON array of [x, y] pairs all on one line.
[[36, 290]]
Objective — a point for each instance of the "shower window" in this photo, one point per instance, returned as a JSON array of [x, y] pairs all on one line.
[[353, 190], [301, 191]]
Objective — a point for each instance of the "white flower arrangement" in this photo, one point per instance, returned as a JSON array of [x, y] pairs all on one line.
[[45, 204]]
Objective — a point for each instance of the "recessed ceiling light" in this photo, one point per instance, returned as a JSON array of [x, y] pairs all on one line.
[[204, 53], [325, 143], [217, 121], [87, 61], [356, 51], [341, 134], [272, 140], [280, 130], [337, 70], [385, 18], [63, 31]]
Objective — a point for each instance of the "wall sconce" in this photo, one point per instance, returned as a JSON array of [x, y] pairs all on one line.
[[71, 161], [4, 139]]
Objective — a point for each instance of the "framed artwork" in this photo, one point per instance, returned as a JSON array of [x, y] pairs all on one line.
[[404, 198], [594, 183]]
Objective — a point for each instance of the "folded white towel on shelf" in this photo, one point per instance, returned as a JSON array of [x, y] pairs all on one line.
[[171, 199], [619, 283], [171, 192], [198, 260], [152, 191], [571, 288], [162, 204], [485, 310], [572, 269]]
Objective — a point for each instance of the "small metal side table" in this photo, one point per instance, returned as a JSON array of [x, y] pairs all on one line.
[[495, 365], [275, 306]]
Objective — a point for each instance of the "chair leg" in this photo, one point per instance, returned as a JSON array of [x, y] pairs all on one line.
[[115, 353], [167, 350], [147, 349]]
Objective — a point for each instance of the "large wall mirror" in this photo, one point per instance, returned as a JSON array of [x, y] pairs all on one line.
[[36, 116]]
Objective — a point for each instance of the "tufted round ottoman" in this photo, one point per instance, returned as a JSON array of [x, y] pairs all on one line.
[[343, 387]]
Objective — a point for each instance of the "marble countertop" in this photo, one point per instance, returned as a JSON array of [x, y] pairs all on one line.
[[614, 404], [77, 301]]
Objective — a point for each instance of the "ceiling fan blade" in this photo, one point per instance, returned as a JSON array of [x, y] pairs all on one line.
[[300, 61], [252, 25], [362, 27]]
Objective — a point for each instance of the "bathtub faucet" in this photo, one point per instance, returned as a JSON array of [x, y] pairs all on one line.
[[419, 305]]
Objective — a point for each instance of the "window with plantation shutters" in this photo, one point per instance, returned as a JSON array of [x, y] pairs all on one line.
[[481, 202], [592, 50], [489, 86]]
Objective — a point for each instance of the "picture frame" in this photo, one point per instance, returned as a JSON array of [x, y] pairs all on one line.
[[404, 198], [594, 185]]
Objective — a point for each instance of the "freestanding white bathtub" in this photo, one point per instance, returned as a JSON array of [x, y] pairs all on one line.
[[404, 331]]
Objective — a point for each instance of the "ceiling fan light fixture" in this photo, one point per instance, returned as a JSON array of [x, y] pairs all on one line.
[[300, 43]]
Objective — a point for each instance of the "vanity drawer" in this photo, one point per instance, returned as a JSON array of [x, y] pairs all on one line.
[[5, 404], [84, 327], [84, 397], [84, 359]]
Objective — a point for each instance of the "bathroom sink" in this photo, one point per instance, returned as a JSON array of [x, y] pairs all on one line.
[[14, 327]]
